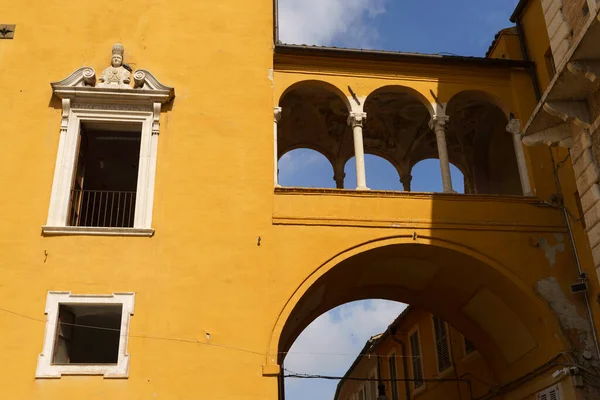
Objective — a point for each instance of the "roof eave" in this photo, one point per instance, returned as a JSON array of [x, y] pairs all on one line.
[[379, 55]]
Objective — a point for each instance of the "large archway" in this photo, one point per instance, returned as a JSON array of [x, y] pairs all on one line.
[[510, 325]]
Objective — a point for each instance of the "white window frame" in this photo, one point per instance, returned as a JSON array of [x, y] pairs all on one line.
[[546, 393], [45, 367], [82, 103]]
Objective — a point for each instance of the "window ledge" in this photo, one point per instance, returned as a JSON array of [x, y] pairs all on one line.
[[95, 231]]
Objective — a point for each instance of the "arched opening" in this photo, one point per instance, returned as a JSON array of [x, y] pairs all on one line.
[[397, 129], [305, 168], [479, 144], [426, 177], [381, 173], [330, 345], [314, 115], [506, 321]]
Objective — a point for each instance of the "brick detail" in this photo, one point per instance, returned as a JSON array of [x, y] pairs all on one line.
[[594, 236], [592, 217], [590, 198], [596, 256], [583, 162], [588, 177], [582, 141]]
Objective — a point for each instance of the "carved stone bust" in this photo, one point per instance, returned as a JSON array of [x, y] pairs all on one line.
[[115, 76]]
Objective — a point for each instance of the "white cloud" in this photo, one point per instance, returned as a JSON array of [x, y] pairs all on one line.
[[331, 343], [347, 23]]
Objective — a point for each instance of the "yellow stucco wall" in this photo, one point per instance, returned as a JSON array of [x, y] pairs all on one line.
[[203, 270]]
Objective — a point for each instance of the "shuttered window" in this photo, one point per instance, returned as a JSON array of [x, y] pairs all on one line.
[[417, 363], [552, 393], [393, 377], [442, 344], [372, 387]]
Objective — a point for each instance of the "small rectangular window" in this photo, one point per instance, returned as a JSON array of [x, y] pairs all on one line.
[[580, 214], [106, 175], [417, 363], [87, 334], [550, 66], [442, 344], [393, 376], [551, 393], [469, 347]]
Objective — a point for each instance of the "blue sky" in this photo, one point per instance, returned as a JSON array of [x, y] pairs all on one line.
[[461, 27]]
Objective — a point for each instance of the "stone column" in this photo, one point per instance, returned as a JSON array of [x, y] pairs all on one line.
[[277, 117], [355, 120], [438, 125], [339, 180], [514, 128], [406, 180]]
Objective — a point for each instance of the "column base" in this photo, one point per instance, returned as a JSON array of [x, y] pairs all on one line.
[[450, 191], [362, 188], [277, 185]]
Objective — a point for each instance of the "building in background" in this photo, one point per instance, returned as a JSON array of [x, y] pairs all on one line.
[[419, 355], [148, 250]]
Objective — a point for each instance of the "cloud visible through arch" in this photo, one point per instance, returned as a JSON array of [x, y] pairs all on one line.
[[331, 343], [345, 23]]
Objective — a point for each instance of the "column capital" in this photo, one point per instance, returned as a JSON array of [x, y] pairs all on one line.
[[357, 119], [277, 114], [514, 126], [438, 122]]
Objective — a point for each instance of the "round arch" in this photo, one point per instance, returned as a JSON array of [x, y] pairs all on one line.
[[467, 97], [419, 271], [317, 84], [313, 147], [399, 89]]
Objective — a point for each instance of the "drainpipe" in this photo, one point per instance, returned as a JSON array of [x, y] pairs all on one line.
[[276, 21], [525, 51], [575, 253], [404, 366]]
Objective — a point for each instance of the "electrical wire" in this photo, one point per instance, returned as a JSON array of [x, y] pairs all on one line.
[[183, 340]]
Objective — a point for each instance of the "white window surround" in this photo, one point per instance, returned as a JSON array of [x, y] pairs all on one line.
[[82, 102], [45, 368]]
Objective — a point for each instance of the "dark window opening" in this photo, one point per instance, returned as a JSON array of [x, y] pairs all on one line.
[[105, 181], [469, 347], [87, 334], [580, 214], [550, 66]]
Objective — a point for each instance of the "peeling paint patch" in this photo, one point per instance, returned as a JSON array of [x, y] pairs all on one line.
[[271, 76], [576, 327], [551, 251]]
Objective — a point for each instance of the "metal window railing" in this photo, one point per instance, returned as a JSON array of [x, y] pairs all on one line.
[[102, 208]]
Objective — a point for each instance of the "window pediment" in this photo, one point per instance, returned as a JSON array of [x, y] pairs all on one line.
[[116, 84]]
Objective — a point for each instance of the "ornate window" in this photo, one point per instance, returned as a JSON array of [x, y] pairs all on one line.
[[86, 335], [105, 167]]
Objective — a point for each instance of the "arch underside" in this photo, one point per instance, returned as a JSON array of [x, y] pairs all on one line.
[[508, 325], [398, 129]]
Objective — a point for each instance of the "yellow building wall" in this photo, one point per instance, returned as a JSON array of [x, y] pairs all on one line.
[[205, 269]]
